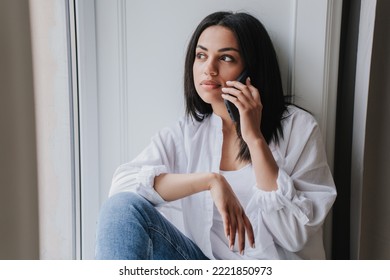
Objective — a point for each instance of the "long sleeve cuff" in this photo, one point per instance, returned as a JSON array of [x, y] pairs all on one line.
[[129, 178], [145, 183], [284, 197]]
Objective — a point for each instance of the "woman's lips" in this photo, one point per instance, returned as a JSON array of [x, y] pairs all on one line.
[[209, 84]]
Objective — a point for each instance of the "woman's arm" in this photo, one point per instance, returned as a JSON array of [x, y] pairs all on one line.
[[175, 186], [264, 165], [247, 100]]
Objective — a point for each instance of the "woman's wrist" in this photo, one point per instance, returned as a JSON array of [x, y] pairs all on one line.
[[264, 165], [213, 178], [255, 142]]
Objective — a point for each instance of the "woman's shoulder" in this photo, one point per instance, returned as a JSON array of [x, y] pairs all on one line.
[[186, 123], [295, 115], [184, 126], [298, 125]]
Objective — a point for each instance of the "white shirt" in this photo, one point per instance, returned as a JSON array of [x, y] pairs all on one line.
[[287, 223]]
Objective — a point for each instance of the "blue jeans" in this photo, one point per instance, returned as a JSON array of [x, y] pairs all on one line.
[[130, 228]]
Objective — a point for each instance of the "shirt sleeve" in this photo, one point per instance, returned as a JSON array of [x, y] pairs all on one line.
[[160, 156], [306, 190]]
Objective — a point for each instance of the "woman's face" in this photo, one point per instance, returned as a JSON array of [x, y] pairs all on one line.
[[217, 60]]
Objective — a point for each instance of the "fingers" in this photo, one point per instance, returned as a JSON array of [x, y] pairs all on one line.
[[237, 90], [254, 91], [236, 225], [249, 231], [226, 223], [241, 237], [233, 230], [244, 226], [230, 227], [247, 88], [241, 94]]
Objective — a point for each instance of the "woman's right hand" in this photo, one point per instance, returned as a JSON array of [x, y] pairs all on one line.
[[233, 215]]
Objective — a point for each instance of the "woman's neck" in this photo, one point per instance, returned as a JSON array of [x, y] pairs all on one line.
[[221, 111]]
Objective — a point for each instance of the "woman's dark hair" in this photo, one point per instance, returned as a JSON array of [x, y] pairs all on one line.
[[260, 61]]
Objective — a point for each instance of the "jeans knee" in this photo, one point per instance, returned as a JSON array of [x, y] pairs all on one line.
[[124, 204], [119, 221]]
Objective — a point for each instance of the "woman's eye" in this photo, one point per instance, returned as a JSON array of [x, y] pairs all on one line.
[[227, 58], [200, 56]]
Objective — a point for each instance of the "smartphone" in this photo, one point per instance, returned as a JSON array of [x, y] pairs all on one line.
[[231, 108]]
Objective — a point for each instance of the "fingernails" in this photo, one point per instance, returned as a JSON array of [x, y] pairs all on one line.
[[231, 247], [253, 246], [242, 252]]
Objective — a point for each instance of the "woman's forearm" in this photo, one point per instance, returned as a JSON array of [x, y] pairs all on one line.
[[175, 186], [264, 165]]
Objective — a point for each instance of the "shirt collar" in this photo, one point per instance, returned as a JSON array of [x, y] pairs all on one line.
[[216, 120]]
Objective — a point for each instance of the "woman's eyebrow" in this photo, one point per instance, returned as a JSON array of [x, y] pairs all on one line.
[[220, 50], [228, 49]]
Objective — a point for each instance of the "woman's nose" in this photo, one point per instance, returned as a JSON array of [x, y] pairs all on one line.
[[211, 68]]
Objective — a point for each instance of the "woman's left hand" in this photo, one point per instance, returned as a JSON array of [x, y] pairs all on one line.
[[247, 99]]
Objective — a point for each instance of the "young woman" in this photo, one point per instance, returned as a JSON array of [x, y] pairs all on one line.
[[213, 188]]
